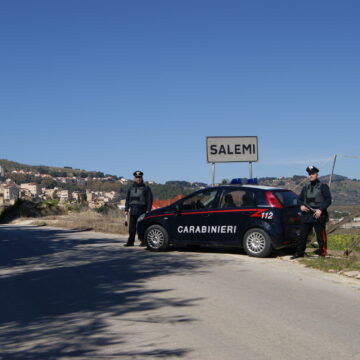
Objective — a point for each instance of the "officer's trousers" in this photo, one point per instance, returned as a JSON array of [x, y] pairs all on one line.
[[132, 229], [320, 231]]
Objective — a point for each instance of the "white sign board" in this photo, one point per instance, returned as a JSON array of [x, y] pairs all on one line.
[[232, 149]]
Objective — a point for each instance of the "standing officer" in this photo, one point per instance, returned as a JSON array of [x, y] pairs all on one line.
[[139, 200], [315, 198]]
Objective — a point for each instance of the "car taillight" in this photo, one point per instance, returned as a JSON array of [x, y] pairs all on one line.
[[272, 200]]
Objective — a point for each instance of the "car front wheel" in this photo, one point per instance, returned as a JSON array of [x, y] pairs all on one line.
[[156, 238], [257, 243]]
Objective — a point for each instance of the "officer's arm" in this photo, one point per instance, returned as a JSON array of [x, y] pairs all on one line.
[[327, 197], [149, 199], [127, 201], [302, 196]]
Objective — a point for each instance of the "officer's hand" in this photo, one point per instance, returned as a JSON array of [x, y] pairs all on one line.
[[126, 213], [304, 208], [317, 213]]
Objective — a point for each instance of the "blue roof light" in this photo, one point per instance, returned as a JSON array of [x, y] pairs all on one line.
[[236, 181], [253, 181]]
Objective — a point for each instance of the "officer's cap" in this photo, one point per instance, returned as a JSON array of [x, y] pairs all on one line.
[[312, 169], [138, 173]]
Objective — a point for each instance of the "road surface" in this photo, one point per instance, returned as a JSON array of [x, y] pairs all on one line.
[[82, 295]]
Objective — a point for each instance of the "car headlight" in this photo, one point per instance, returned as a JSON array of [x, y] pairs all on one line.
[[141, 217]]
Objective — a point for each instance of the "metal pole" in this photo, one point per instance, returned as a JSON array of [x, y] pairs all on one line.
[[250, 170], [212, 174], [332, 171]]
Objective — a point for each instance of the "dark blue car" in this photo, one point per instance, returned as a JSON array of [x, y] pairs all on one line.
[[258, 219]]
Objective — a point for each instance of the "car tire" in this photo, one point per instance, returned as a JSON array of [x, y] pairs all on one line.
[[156, 238], [257, 243]]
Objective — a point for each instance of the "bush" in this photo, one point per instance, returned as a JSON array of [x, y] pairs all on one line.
[[341, 241], [27, 208]]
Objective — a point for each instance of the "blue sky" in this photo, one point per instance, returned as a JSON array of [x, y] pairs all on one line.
[[121, 85]]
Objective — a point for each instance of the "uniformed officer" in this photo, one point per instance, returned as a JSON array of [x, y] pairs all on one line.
[[139, 200], [315, 198]]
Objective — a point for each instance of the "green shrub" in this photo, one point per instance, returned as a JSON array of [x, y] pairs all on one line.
[[103, 210], [341, 242]]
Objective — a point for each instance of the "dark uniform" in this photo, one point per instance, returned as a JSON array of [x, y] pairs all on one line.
[[314, 196], [139, 200]]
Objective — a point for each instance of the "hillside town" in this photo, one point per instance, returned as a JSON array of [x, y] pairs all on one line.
[[10, 191]]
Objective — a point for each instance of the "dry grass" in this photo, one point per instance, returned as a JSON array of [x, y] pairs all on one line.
[[332, 264], [113, 222]]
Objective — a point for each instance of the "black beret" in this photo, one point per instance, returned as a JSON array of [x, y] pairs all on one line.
[[138, 173]]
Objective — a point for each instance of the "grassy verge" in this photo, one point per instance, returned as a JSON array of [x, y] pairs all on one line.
[[332, 264], [338, 242], [336, 261], [342, 242]]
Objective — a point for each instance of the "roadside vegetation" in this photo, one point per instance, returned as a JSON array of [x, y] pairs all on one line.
[[30, 209], [69, 216], [333, 264], [336, 261], [105, 219]]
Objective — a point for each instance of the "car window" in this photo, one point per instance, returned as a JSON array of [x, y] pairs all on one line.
[[200, 200], [237, 198], [287, 198]]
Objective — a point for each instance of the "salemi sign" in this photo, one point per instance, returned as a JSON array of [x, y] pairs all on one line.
[[232, 149]]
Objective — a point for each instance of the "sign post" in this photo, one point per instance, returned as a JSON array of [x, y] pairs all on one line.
[[231, 149], [213, 174]]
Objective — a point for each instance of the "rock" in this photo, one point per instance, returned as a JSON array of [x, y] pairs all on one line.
[[353, 274]]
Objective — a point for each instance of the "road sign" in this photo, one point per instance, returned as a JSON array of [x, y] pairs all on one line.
[[232, 149]]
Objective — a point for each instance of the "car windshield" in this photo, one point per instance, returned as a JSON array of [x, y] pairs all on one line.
[[203, 199], [287, 198]]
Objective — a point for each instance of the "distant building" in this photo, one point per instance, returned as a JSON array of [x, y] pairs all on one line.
[[64, 195], [50, 193], [32, 188], [122, 180], [76, 195], [10, 193]]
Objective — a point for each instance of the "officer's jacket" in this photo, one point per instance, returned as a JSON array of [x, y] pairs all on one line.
[[138, 199], [316, 195]]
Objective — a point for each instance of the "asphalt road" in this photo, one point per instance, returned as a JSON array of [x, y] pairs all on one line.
[[82, 295]]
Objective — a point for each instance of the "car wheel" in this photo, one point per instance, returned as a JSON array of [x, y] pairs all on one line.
[[257, 243], [156, 238]]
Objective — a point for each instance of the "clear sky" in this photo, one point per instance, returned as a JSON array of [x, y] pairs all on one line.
[[121, 85]]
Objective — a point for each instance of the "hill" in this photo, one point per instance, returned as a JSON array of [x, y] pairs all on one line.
[[66, 171], [345, 191]]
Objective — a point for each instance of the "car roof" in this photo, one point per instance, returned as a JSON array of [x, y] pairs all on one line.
[[264, 187], [260, 187]]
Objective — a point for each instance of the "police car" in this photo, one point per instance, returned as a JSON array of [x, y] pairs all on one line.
[[258, 219]]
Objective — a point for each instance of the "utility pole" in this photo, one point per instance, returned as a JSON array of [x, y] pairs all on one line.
[[332, 171]]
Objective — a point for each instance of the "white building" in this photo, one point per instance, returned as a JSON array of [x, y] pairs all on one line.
[[32, 188], [11, 193]]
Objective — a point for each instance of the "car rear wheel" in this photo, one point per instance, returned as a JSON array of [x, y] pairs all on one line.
[[257, 243], [156, 238]]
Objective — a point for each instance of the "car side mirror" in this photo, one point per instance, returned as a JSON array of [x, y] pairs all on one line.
[[177, 209]]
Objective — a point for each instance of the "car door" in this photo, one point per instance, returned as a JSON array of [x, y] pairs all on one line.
[[290, 214], [236, 205], [194, 215]]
